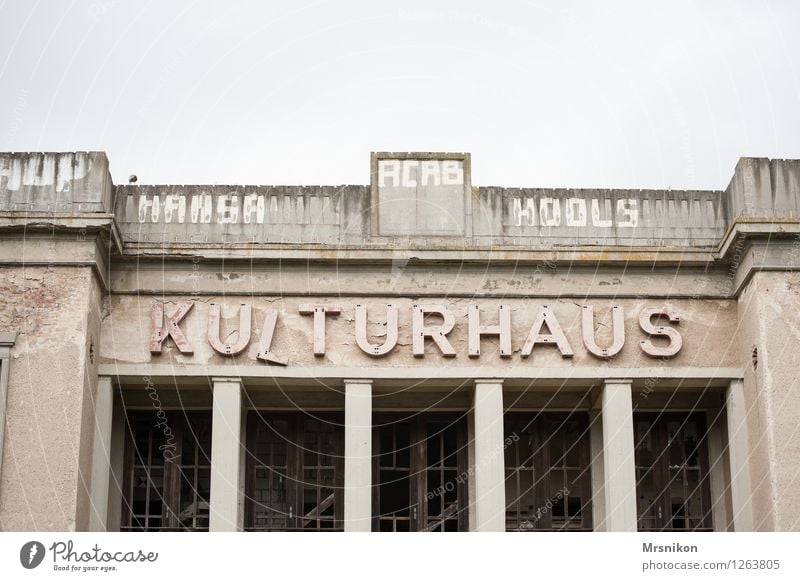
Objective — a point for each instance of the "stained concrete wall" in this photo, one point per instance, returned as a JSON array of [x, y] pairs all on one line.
[[70, 183], [79, 183], [544, 218], [47, 455], [761, 187], [167, 215], [769, 311], [514, 217]]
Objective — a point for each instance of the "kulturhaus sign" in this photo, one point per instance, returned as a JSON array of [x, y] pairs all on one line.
[[430, 323]]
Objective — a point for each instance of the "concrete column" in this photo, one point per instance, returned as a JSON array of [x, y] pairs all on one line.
[[598, 478], [741, 491], [618, 460], [242, 468], [358, 455], [472, 511], [716, 467], [118, 427], [101, 454], [7, 341], [489, 469], [226, 442]]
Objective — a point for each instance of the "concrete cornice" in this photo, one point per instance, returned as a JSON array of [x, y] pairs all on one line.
[[61, 225], [355, 254], [743, 228], [337, 375], [60, 240]]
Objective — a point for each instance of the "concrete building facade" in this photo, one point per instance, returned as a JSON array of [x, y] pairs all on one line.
[[416, 354]]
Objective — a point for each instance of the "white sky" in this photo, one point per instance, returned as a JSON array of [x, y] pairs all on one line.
[[543, 94]]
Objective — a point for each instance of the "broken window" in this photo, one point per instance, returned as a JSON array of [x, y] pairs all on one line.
[[167, 476], [420, 473], [672, 478], [295, 474], [548, 472]]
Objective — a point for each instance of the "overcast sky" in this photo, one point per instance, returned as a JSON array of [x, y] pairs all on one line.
[[543, 94]]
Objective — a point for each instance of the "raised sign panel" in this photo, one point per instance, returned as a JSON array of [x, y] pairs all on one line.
[[420, 194]]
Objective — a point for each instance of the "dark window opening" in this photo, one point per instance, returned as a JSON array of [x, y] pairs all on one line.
[[672, 477], [167, 476], [394, 480], [420, 471], [295, 472], [548, 472]]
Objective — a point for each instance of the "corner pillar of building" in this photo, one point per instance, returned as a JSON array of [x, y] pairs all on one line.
[[357, 455], [741, 491], [101, 454], [226, 442], [487, 458], [618, 456]]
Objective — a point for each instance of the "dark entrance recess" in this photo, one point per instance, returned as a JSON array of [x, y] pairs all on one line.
[[295, 473], [420, 473], [672, 477]]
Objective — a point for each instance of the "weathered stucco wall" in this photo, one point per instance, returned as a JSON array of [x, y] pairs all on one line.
[[770, 322], [415, 278], [48, 441]]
